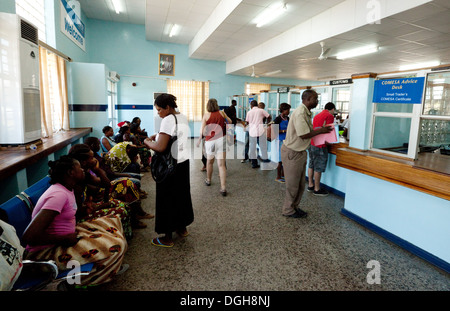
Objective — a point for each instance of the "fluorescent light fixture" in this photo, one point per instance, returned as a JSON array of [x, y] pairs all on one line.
[[116, 5], [174, 30], [357, 52], [272, 72], [420, 65], [270, 14]]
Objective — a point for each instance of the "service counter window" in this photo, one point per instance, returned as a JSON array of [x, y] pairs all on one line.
[[435, 118], [272, 105], [341, 98], [410, 129]]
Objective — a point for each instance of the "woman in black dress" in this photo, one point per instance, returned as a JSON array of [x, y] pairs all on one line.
[[174, 210]]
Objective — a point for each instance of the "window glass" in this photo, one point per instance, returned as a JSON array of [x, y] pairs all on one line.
[[437, 97], [434, 133], [391, 134], [405, 108], [341, 98]]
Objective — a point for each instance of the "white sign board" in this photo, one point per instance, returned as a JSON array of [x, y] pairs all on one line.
[[71, 24]]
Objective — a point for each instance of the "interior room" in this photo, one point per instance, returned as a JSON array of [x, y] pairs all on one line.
[[70, 68]]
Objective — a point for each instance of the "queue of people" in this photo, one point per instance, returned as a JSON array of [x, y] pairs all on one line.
[[94, 203]]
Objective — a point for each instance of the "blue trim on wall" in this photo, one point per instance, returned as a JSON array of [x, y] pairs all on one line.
[[134, 107], [88, 107], [399, 241]]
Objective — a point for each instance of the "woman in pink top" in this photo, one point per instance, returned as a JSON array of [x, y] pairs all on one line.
[[54, 234], [213, 129]]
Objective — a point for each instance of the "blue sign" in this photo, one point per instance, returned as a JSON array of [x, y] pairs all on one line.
[[399, 91]]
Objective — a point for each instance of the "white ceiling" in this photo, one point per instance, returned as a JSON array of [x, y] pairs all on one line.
[[417, 35]]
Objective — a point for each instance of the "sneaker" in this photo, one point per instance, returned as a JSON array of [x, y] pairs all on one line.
[[243, 161], [207, 182], [298, 214], [321, 193], [310, 189]]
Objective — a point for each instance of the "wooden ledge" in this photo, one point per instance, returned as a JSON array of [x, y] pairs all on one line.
[[399, 171], [14, 160]]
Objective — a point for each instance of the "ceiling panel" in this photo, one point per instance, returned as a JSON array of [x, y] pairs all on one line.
[[416, 35]]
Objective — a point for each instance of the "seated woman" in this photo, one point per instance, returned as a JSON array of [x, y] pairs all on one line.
[[106, 141], [101, 197], [144, 153], [141, 132], [118, 183], [123, 158], [54, 234]]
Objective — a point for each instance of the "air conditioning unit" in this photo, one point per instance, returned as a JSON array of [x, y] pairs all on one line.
[[114, 76], [20, 110]]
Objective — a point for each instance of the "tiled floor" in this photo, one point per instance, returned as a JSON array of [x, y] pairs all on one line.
[[241, 242]]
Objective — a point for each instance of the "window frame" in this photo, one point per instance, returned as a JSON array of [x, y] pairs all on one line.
[[416, 115]]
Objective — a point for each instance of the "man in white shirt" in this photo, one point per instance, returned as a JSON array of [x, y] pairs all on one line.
[[255, 120]]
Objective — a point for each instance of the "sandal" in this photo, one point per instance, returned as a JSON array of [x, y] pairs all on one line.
[[207, 182], [223, 193], [145, 216], [139, 225], [183, 234], [157, 242]]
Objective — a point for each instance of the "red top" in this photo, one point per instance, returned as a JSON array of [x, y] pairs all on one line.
[[324, 116], [215, 126]]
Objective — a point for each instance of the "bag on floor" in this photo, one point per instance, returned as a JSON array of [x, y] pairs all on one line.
[[163, 164]]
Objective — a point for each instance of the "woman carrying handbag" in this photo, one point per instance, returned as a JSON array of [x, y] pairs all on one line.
[[174, 210]]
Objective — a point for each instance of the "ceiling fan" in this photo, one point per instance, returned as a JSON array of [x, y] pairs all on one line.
[[253, 75], [323, 54]]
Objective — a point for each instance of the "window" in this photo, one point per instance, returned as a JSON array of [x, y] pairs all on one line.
[[256, 88], [410, 129], [435, 118], [34, 12], [394, 126], [192, 97], [341, 98], [112, 102], [54, 101]]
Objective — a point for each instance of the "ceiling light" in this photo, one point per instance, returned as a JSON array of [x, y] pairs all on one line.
[[174, 30], [117, 6], [357, 52], [270, 14], [272, 72], [420, 65]]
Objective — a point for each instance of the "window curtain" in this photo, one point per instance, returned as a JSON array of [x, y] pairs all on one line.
[[256, 88], [54, 100], [192, 97]]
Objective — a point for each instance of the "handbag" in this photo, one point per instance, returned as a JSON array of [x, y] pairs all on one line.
[[163, 164]]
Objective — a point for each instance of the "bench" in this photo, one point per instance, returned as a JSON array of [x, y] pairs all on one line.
[[18, 212]]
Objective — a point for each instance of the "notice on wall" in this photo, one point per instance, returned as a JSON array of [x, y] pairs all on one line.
[[71, 24], [399, 91]]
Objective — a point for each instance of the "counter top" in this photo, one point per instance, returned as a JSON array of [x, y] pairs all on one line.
[[429, 174], [14, 159]]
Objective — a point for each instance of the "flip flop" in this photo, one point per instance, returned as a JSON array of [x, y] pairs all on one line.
[[157, 242], [183, 234]]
